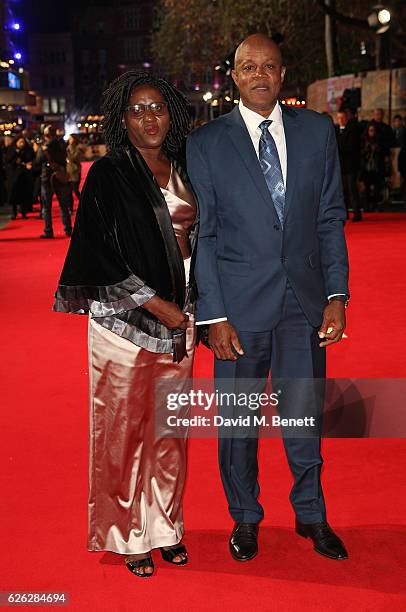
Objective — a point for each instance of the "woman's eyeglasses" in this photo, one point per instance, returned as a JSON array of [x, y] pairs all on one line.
[[138, 110]]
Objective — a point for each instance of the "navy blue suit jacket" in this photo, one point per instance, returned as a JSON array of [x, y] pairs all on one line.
[[244, 257]]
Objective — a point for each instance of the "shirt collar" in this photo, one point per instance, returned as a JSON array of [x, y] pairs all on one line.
[[253, 119]]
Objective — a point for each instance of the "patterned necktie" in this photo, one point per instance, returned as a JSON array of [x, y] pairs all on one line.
[[271, 167]]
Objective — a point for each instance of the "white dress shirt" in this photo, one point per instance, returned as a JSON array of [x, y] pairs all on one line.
[[252, 121]]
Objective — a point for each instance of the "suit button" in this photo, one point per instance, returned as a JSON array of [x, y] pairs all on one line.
[[283, 259], [276, 227]]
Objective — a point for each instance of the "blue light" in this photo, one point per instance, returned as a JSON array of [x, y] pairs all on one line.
[[13, 81], [16, 26], [17, 55]]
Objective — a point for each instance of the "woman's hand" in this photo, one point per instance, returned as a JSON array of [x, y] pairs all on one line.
[[167, 313]]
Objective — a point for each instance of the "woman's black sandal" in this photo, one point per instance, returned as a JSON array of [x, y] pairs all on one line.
[[169, 554], [134, 564]]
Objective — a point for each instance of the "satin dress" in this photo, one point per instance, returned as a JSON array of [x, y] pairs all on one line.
[[135, 480]]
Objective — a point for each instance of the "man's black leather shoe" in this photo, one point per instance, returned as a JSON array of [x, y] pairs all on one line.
[[244, 541], [324, 539]]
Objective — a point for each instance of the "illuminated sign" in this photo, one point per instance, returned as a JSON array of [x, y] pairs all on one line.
[[13, 81]]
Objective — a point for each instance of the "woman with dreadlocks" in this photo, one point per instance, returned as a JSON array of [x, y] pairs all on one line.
[[128, 267]]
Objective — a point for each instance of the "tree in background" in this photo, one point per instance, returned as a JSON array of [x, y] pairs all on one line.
[[195, 35]]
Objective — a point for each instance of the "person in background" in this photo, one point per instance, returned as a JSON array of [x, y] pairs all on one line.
[[74, 152], [36, 192], [20, 158], [372, 167], [3, 190], [399, 131], [402, 170], [349, 149], [386, 140], [384, 131], [8, 155], [51, 159]]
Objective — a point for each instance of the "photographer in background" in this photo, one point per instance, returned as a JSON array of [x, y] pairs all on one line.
[[51, 159], [74, 168]]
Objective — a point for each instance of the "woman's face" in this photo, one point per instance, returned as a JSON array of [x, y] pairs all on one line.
[[147, 128], [20, 144], [371, 131]]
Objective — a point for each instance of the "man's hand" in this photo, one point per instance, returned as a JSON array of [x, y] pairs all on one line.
[[167, 313], [222, 336], [333, 319]]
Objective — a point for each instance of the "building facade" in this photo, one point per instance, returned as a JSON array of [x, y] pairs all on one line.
[[108, 39], [50, 64]]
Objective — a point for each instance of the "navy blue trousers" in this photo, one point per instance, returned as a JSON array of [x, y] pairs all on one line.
[[290, 350]]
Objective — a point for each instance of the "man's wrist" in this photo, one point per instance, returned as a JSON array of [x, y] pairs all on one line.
[[339, 298]]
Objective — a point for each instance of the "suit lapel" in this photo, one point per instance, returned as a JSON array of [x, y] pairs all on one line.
[[291, 127], [242, 142]]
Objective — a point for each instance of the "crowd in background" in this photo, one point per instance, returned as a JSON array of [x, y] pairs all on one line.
[[34, 167], [365, 149]]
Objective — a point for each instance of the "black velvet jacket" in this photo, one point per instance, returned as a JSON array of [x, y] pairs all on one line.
[[123, 240]]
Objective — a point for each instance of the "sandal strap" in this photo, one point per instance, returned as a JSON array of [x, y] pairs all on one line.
[[134, 564], [174, 552]]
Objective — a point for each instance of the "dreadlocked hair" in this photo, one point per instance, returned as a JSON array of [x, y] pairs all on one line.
[[116, 99]]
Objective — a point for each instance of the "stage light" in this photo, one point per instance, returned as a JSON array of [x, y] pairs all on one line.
[[11, 61], [16, 26], [21, 70], [380, 19], [384, 16], [18, 55], [207, 96]]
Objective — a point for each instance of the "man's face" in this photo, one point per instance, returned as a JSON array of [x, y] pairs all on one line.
[[397, 123], [378, 115], [342, 119], [259, 74]]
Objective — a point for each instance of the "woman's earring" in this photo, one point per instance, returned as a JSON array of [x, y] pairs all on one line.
[[123, 125]]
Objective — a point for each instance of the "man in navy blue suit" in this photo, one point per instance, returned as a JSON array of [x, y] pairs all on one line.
[[271, 271]]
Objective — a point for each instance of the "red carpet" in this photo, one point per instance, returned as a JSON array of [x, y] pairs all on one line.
[[43, 452]]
